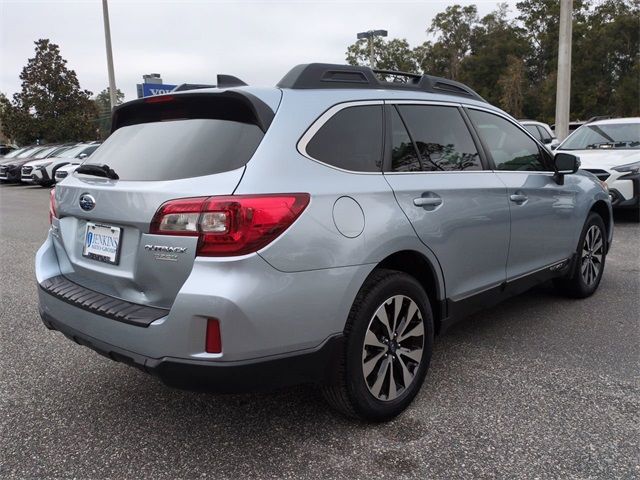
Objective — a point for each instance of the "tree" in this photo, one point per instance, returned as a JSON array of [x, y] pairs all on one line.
[[454, 27], [103, 106], [395, 54], [511, 84], [494, 40], [50, 106]]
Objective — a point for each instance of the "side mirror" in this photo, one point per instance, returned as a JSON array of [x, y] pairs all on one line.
[[82, 156], [547, 140], [565, 164]]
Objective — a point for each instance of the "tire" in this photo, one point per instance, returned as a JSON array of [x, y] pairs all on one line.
[[585, 277], [374, 397]]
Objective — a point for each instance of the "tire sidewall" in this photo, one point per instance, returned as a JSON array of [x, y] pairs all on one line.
[[592, 220], [364, 402]]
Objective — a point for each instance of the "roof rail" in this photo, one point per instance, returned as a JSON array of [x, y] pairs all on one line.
[[326, 75]]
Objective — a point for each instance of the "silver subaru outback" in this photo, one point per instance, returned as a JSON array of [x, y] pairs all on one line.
[[322, 231]]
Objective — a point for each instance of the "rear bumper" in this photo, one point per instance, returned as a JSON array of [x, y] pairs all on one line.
[[312, 366], [264, 315]]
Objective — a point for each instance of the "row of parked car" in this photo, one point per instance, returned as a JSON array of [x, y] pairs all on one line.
[[44, 164]]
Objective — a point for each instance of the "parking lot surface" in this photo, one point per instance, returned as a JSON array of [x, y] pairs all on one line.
[[538, 387]]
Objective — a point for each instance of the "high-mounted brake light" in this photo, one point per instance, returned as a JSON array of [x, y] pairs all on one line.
[[158, 99], [52, 205], [229, 225]]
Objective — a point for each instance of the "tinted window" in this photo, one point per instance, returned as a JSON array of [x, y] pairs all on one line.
[[442, 138], [544, 134], [178, 148], [351, 139], [533, 130], [509, 146], [403, 155]]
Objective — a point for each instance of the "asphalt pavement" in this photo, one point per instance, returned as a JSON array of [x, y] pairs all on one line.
[[538, 387]]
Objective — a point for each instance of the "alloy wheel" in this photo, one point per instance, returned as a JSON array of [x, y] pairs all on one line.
[[392, 349], [591, 255]]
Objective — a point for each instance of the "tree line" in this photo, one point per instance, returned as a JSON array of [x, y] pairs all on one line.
[[511, 61], [51, 106]]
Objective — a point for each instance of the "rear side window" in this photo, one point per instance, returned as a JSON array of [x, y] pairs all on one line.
[[351, 139], [510, 147], [441, 137], [175, 149], [404, 157]]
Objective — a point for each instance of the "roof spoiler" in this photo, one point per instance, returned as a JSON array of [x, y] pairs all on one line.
[[233, 105], [326, 75]]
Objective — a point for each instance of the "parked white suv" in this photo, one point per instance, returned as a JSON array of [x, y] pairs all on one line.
[[610, 149], [42, 172]]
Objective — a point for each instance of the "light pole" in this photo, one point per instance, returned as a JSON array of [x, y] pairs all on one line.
[[371, 34], [563, 88], [107, 39]]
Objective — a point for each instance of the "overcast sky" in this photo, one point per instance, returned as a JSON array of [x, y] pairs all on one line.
[[192, 41]]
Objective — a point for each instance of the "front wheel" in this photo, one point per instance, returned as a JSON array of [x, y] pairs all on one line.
[[592, 251], [389, 338]]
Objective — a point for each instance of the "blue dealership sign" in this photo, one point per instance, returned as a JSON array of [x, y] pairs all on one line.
[[150, 89]]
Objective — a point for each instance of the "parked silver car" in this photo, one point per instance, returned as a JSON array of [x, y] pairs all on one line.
[[541, 132], [322, 231]]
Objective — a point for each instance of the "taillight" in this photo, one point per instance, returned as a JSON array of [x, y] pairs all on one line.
[[229, 225], [52, 205]]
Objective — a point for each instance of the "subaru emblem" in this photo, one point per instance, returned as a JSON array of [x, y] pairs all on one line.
[[87, 202]]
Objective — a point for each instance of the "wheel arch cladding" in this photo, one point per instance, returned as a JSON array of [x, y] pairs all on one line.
[[419, 267], [600, 207]]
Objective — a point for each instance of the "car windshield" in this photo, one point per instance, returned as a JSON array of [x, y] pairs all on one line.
[[14, 154], [30, 152], [73, 152], [604, 136], [46, 151]]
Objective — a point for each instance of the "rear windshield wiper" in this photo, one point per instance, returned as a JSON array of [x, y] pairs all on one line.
[[98, 170]]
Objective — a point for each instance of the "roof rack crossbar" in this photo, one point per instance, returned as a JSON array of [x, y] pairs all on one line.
[[325, 75]]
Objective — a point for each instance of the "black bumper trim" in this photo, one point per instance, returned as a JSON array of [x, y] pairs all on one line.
[[101, 304], [308, 367]]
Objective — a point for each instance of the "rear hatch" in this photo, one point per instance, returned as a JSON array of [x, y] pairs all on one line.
[[161, 148]]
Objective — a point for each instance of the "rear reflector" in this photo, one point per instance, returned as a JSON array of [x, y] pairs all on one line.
[[213, 343], [229, 225]]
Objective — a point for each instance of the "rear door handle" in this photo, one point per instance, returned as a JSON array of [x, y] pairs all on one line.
[[518, 198], [427, 201]]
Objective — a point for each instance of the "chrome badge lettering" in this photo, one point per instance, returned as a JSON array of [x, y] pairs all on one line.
[[165, 249]]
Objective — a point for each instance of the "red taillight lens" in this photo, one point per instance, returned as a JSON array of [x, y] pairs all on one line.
[[52, 205], [230, 225], [213, 342]]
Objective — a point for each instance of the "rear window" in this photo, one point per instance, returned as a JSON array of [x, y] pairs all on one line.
[[174, 149]]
